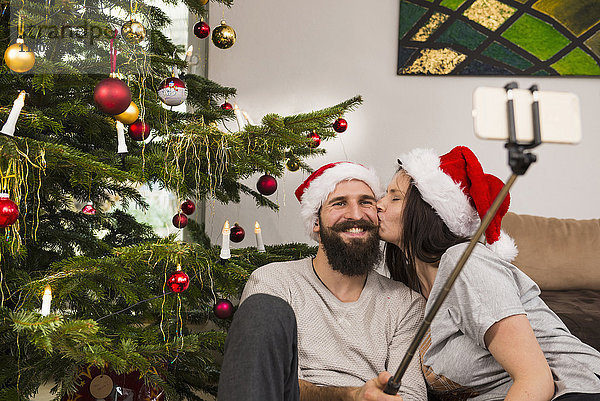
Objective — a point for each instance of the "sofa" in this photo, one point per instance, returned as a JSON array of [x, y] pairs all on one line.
[[563, 257]]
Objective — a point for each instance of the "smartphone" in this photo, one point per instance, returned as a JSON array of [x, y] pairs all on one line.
[[560, 120]]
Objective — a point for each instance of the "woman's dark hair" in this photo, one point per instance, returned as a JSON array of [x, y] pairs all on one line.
[[425, 237]]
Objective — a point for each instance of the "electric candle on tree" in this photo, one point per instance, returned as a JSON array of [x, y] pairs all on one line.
[[247, 117], [238, 117], [259, 241], [9, 127], [225, 252], [121, 144], [188, 54], [46, 299]]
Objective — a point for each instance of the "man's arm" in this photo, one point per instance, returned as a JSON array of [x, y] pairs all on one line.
[[310, 392], [370, 391]]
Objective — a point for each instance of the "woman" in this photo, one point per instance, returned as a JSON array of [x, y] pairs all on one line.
[[493, 338]]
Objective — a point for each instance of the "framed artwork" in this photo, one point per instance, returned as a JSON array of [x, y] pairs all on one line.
[[499, 37]]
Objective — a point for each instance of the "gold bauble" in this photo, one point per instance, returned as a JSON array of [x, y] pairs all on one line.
[[18, 57], [130, 115], [133, 31], [203, 2], [292, 165], [223, 36]]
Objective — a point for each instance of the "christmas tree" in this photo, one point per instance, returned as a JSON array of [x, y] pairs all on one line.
[[92, 299]]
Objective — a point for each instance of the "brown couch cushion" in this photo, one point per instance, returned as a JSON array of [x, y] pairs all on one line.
[[558, 254]]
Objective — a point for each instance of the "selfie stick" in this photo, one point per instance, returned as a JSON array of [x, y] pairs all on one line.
[[519, 162]]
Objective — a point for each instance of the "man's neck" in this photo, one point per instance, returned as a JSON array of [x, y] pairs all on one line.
[[343, 287]]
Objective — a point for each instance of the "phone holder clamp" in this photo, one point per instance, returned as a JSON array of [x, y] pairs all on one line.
[[518, 159]]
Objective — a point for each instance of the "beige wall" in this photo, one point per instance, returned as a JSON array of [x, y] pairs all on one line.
[[293, 57]]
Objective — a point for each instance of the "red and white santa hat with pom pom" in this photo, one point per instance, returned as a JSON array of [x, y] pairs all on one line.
[[460, 192]]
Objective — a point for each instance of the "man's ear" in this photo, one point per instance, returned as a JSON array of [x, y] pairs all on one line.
[[316, 227]]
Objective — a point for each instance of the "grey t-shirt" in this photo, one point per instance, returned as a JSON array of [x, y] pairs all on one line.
[[347, 343], [488, 289]]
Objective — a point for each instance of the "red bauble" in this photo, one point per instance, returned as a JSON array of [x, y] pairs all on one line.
[[9, 212], [178, 281], [223, 309], [188, 207], [201, 29], [112, 96], [316, 139], [180, 220], [139, 130], [237, 233], [266, 184], [226, 106], [89, 209], [340, 125]]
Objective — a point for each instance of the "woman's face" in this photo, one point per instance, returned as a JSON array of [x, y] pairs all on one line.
[[391, 207]]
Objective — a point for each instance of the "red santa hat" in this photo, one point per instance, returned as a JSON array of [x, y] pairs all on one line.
[[316, 188], [460, 192]]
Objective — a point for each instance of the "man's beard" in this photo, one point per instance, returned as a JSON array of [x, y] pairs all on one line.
[[353, 258]]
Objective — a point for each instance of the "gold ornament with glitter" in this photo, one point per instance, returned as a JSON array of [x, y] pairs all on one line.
[[133, 31], [292, 164], [223, 36]]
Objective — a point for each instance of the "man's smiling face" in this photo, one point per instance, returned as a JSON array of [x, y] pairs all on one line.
[[348, 228]]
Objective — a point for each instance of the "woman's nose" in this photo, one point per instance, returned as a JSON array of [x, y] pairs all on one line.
[[380, 206]]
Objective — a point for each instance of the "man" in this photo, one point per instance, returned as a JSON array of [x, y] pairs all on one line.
[[325, 328]]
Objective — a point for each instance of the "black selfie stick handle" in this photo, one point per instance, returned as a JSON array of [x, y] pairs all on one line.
[[519, 162]]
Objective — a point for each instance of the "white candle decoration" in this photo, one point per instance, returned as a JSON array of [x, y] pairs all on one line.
[[260, 247], [9, 127], [188, 59], [121, 145], [238, 116], [46, 299], [225, 252], [188, 54], [247, 117]]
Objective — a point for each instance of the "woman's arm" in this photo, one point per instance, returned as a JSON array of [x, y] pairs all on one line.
[[513, 344]]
